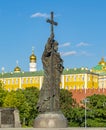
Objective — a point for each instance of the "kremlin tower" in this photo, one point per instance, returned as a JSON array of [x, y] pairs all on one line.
[[32, 64]]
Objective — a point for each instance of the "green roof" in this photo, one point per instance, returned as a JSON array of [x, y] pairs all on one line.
[[21, 74], [41, 73], [98, 67], [77, 71]]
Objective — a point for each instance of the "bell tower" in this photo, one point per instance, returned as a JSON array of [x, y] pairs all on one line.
[[32, 64]]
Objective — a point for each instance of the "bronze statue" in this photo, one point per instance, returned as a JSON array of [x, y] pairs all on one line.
[[53, 67]]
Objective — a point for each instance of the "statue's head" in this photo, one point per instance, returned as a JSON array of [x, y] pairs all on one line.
[[55, 45]]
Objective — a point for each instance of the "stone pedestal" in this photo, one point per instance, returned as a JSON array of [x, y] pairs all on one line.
[[9, 118], [50, 120]]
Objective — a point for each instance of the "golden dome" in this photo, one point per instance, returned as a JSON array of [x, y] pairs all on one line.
[[33, 57], [17, 69], [102, 62]]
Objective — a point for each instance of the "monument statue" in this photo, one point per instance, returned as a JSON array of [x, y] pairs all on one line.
[[53, 67], [48, 103]]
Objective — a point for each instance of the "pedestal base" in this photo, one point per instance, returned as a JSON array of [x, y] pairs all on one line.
[[50, 120]]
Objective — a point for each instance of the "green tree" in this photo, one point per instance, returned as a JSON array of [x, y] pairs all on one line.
[[32, 95], [67, 105], [16, 99], [3, 94], [96, 111]]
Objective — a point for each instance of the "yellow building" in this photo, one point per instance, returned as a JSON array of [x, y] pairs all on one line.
[[71, 79], [19, 79], [101, 70], [77, 78]]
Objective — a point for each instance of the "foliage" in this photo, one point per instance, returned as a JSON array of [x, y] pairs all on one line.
[[3, 93], [32, 95], [16, 99], [67, 105], [97, 111], [26, 100]]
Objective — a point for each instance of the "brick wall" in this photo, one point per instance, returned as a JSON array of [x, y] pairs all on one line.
[[81, 94]]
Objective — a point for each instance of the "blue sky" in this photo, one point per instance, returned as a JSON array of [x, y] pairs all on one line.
[[81, 31]]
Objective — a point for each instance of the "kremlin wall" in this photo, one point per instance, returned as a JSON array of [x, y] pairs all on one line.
[[81, 82]]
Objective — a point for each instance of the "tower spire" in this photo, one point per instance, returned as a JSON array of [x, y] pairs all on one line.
[[32, 64], [16, 62], [33, 49]]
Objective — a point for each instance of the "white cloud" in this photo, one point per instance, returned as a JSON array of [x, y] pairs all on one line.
[[44, 15], [69, 53], [82, 44], [65, 44]]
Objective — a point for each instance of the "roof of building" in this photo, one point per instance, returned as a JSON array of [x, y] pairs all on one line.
[[100, 68], [102, 62], [17, 69], [21, 74], [78, 71], [41, 73], [33, 57], [97, 68]]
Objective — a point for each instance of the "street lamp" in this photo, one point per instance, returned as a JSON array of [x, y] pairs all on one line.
[[85, 101]]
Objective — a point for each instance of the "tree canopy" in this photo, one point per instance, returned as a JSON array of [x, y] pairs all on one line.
[[26, 100]]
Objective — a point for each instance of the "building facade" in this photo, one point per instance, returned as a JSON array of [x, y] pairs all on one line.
[[79, 78], [81, 82], [100, 69], [71, 79]]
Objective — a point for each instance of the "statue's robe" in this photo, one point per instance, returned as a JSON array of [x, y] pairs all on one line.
[[50, 91]]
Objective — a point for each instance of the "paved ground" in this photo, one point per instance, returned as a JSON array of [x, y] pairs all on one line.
[[53, 128]]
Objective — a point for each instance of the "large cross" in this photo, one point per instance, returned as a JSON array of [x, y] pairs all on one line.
[[52, 22]]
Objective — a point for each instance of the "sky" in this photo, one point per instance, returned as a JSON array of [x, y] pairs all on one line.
[[81, 31]]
